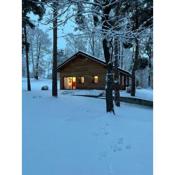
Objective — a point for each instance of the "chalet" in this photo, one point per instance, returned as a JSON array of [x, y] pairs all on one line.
[[83, 71]]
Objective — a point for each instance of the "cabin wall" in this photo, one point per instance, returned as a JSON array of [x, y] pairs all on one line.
[[83, 67]]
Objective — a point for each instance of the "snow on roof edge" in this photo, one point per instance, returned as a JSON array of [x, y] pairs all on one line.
[[90, 57]]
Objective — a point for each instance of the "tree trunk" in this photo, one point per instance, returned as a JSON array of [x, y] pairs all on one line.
[[93, 44], [109, 89], [32, 56], [27, 59], [116, 74], [133, 82], [133, 76], [54, 67], [121, 55], [37, 62], [150, 83], [117, 60], [109, 79], [106, 48]]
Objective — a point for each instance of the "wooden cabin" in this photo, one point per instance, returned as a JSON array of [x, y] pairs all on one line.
[[83, 71]]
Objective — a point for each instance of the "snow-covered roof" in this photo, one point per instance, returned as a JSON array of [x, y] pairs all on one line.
[[91, 57]]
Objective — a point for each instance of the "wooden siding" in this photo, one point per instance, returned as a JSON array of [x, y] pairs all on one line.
[[84, 67], [81, 66]]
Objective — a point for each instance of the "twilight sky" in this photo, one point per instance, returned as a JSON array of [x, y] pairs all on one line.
[[62, 30]]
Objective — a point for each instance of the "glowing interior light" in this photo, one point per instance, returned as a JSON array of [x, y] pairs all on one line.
[[95, 79], [82, 79], [74, 79]]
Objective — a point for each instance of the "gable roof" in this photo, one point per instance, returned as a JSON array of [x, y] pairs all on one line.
[[89, 57]]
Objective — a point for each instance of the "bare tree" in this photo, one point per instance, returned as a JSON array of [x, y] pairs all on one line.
[[39, 48]]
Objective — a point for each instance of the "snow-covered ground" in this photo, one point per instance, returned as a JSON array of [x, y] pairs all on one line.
[[72, 135], [146, 94], [37, 84]]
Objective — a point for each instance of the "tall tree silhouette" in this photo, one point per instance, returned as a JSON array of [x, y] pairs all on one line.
[[37, 7]]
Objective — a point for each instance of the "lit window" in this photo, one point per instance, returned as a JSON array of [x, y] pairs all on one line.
[[82, 80], [95, 79], [73, 79]]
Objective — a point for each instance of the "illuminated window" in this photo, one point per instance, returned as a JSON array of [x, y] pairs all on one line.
[[82, 80], [73, 79], [95, 79]]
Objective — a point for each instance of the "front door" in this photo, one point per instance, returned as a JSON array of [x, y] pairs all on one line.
[[70, 82], [73, 82]]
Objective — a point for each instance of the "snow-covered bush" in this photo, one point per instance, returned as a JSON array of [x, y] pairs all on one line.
[[44, 88]]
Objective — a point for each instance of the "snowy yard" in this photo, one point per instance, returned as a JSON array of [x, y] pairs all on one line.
[[146, 94], [72, 135]]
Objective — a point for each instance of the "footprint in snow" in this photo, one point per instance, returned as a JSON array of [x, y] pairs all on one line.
[[107, 124], [37, 97], [119, 146], [119, 149], [106, 133], [128, 147], [116, 148], [103, 155], [120, 141], [96, 134]]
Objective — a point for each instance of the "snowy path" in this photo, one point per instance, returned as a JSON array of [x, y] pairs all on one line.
[[72, 135]]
